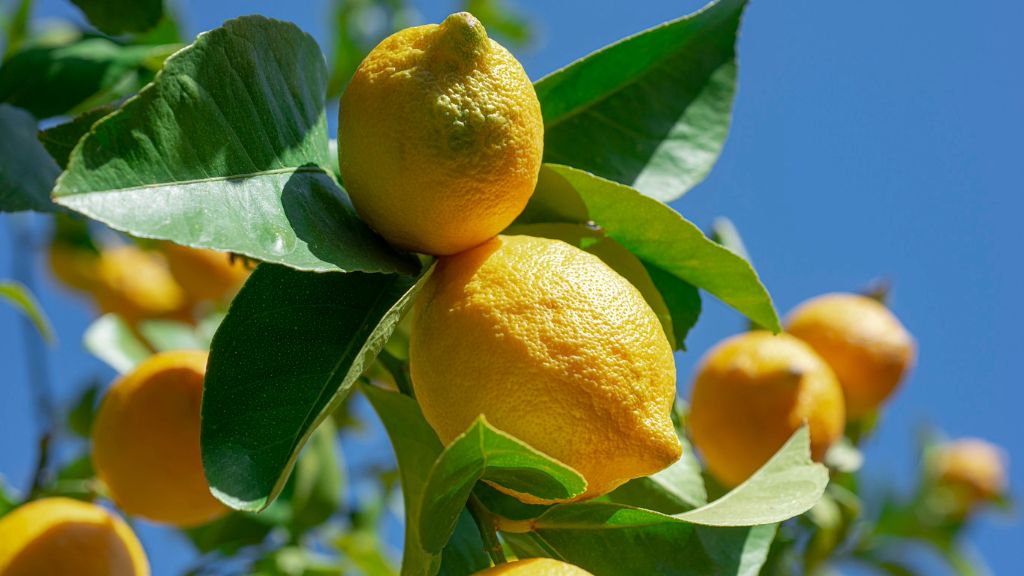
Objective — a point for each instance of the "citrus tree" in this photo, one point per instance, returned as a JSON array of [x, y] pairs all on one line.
[[490, 262]]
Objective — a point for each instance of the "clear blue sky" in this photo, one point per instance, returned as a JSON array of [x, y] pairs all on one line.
[[870, 139]]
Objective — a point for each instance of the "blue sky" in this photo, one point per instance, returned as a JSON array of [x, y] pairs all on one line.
[[870, 139]]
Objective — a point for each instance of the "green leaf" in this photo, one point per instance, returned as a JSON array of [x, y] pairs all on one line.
[[168, 335], [486, 453], [121, 16], [27, 172], [19, 296], [662, 239], [725, 233], [682, 300], [16, 27], [678, 488], [83, 411], [416, 449], [286, 355], [8, 500], [652, 110], [615, 540], [316, 494], [68, 79], [227, 149], [788, 485], [111, 340], [61, 139]]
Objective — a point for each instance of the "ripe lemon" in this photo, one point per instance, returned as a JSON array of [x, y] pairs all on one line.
[[553, 347], [125, 280], [60, 536], [146, 441], [864, 343], [136, 284], [535, 567], [440, 137], [970, 472], [205, 275], [752, 392]]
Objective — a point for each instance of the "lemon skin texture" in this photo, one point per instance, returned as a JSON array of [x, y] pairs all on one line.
[[866, 345], [205, 275], [970, 471], [534, 567], [554, 348], [440, 137], [146, 441], [751, 393], [62, 537]]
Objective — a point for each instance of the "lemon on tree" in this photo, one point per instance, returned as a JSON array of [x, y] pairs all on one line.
[[205, 275], [61, 537], [553, 347], [967, 473], [751, 393], [862, 340], [146, 441], [440, 137], [534, 567]]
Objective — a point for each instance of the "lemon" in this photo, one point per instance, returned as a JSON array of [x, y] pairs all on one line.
[[146, 441], [554, 348], [969, 472], [125, 280], [751, 393], [60, 536], [534, 567], [440, 137], [204, 275], [866, 345]]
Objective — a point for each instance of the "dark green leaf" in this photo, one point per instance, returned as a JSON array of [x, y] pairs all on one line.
[[231, 532], [682, 300], [27, 172], [53, 80], [613, 540], [83, 411], [8, 501], [227, 149], [652, 110], [464, 553], [61, 139], [316, 494], [659, 237], [19, 297], [121, 16], [486, 453], [285, 356], [110, 339]]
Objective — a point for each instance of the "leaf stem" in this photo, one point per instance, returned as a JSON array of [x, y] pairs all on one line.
[[485, 523]]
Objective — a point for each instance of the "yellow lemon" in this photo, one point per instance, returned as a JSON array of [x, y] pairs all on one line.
[[535, 567], [971, 471], [60, 536], [74, 267], [146, 441], [440, 137], [554, 348], [751, 393], [136, 284], [864, 343], [205, 275]]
